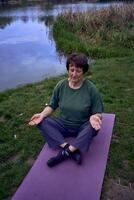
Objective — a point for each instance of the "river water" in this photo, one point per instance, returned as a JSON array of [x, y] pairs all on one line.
[[27, 49]]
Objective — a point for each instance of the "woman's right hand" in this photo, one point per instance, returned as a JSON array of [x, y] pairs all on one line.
[[36, 119]]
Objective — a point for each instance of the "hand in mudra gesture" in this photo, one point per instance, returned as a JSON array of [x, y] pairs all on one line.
[[36, 119], [96, 121]]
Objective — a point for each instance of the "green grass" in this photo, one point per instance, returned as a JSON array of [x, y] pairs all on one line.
[[113, 77]]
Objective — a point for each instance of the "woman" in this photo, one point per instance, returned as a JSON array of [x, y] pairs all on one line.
[[80, 108]]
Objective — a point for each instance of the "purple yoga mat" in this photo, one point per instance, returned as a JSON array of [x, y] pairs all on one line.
[[68, 180]]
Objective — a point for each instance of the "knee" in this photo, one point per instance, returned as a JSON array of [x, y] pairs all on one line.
[[44, 122], [87, 126], [92, 130], [89, 129]]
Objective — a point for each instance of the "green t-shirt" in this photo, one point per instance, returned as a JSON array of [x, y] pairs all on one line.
[[76, 105]]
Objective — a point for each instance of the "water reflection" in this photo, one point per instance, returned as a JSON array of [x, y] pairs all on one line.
[[27, 49], [4, 21], [28, 54]]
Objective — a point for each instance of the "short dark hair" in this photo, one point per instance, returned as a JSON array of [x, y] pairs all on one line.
[[79, 60]]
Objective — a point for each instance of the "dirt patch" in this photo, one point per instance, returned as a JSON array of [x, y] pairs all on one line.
[[14, 157], [2, 119], [30, 161], [120, 190]]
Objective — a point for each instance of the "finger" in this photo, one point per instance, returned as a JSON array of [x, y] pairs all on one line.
[[97, 119], [31, 123], [33, 117], [96, 126], [100, 121]]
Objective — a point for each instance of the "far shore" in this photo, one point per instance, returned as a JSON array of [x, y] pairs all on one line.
[[12, 3]]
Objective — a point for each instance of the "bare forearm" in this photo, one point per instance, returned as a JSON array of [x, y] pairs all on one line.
[[47, 111]]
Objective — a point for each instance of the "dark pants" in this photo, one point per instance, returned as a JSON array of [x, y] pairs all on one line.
[[55, 133]]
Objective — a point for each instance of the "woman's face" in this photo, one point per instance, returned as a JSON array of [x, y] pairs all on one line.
[[76, 74]]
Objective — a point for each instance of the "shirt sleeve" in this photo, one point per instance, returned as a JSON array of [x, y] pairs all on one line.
[[54, 101], [55, 98], [96, 101]]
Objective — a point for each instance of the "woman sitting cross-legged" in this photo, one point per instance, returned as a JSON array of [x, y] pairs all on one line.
[[80, 106]]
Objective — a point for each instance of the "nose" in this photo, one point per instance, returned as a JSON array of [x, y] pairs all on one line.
[[74, 74]]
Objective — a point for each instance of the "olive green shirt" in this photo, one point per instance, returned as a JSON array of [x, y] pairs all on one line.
[[76, 105]]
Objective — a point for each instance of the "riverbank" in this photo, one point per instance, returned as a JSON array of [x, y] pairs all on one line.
[[21, 144], [102, 33], [11, 3]]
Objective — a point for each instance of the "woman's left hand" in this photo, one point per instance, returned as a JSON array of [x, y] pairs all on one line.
[[95, 121]]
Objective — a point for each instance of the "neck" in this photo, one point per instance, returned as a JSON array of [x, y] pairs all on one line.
[[75, 85]]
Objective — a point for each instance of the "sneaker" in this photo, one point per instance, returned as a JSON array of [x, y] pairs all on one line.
[[76, 155], [61, 156]]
